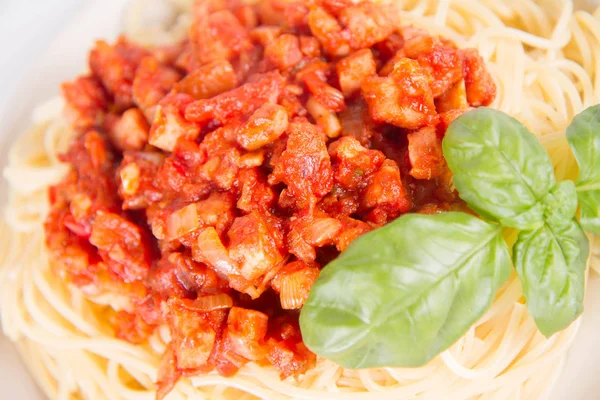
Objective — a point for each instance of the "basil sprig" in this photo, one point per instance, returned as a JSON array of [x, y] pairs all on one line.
[[398, 296], [584, 137], [503, 172]]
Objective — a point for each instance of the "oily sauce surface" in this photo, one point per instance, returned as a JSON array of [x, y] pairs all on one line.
[[211, 180]]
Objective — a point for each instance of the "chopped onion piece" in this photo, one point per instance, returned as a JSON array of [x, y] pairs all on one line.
[[292, 295], [80, 206], [213, 302], [252, 159], [183, 221], [210, 250], [324, 117], [295, 287], [130, 179], [323, 231]]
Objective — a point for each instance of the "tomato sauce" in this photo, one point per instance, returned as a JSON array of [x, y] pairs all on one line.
[[211, 180]]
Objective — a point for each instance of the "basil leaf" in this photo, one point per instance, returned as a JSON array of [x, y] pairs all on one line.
[[560, 204], [551, 262], [584, 137], [399, 295], [590, 210], [500, 169]]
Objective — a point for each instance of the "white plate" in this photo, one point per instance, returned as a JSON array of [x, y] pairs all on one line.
[[66, 57]]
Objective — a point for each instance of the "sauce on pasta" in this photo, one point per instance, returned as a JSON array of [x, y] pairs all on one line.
[[212, 179], [544, 60]]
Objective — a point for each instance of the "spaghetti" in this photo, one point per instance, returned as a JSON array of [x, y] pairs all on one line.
[[545, 59]]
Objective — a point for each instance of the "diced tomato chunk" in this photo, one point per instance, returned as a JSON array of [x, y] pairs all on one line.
[[132, 327], [403, 99], [131, 131], [481, 89], [353, 163], [425, 153], [328, 31], [193, 333], [351, 229], [291, 358], [246, 14], [235, 103], [94, 187], [151, 83], [246, 330], [179, 175], [308, 231], [209, 80], [137, 173], [284, 52], [122, 244], [353, 69], [116, 66], [86, 102], [367, 24], [304, 166], [447, 117], [75, 253], [454, 98], [356, 122], [385, 194], [265, 34], [314, 75], [443, 62], [310, 47], [252, 246], [295, 13], [263, 127], [218, 36], [169, 124], [256, 194]]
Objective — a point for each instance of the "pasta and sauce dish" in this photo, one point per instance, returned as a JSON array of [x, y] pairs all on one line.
[[323, 199]]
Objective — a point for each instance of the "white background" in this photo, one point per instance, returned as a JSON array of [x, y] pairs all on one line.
[[27, 27]]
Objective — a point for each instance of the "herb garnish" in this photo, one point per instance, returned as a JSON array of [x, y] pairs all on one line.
[[584, 137], [400, 295]]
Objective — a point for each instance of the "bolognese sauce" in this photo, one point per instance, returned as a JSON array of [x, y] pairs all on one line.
[[211, 180]]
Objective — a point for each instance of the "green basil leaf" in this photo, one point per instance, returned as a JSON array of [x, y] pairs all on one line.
[[560, 204], [590, 210], [500, 169], [399, 295], [584, 137], [551, 262]]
